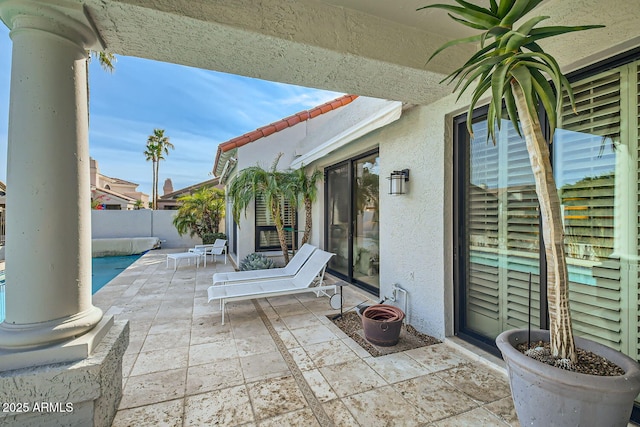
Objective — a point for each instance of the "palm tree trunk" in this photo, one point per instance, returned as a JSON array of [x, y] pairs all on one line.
[[153, 185], [307, 220], [155, 193], [277, 218], [561, 333]]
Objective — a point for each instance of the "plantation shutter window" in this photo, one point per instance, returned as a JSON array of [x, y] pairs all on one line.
[[502, 225], [266, 233], [592, 181], [596, 162]]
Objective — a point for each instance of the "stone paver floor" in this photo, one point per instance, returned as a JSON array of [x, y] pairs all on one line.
[[279, 362]]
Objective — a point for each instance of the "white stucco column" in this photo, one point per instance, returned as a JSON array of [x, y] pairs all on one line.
[[48, 252]]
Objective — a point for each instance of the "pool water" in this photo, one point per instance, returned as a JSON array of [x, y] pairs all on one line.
[[104, 270]]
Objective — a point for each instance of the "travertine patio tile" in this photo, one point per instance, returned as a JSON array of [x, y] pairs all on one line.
[[274, 397], [302, 359], [435, 398], [475, 417], [205, 309], [209, 322], [235, 375], [160, 360], [383, 406], [162, 326], [300, 320], [206, 334], [213, 376], [313, 334], [229, 406], [288, 339], [153, 388], [504, 410], [478, 382], [320, 306], [330, 353], [333, 328], [319, 385], [258, 344], [127, 363], [355, 347], [290, 309], [395, 367], [137, 315], [171, 339], [351, 378], [163, 414], [249, 329], [437, 357], [338, 413], [303, 417], [135, 344], [263, 366], [211, 352], [282, 300]]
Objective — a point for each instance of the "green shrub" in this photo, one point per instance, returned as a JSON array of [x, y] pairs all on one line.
[[256, 261], [210, 238]]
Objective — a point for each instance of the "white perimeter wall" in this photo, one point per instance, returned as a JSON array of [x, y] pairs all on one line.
[[140, 223]]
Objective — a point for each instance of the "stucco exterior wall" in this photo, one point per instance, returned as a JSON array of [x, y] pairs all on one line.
[[415, 228], [140, 223], [411, 225]]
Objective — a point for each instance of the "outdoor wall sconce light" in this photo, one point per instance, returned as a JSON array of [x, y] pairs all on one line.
[[397, 181]]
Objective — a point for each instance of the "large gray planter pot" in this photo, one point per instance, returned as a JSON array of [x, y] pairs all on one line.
[[547, 396]]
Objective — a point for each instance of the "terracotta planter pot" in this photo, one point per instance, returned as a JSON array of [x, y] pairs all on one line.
[[382, 324], [547, 396]]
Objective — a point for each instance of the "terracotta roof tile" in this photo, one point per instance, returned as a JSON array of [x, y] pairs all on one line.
[[282, 124], [314, 113]]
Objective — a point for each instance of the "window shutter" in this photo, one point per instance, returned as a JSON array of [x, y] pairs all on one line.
[[587, 177], [483, 294], [522, 246], [266, 233]]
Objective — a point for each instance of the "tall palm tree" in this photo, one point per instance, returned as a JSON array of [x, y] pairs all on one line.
[[270, 185], [106, 60], [157, 146], [512, 67], [305, 186], [201, 212]]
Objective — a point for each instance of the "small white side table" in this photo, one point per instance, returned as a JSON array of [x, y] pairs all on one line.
[[184, 255]]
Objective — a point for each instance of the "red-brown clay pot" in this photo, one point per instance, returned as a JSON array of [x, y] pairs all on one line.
[[382, 324]]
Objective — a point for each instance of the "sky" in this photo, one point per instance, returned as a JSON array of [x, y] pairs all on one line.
[[198, 109]]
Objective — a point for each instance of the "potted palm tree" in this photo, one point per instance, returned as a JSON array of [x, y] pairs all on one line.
[[521, 77]]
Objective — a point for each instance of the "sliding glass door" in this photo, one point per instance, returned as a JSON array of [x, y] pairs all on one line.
[[352, 220], [500, 226], [497, 233]]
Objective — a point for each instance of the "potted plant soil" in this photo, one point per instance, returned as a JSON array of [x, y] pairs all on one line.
[[513, 69]]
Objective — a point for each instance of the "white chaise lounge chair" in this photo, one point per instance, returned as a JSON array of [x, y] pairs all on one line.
[[308, 279], [290, 270]]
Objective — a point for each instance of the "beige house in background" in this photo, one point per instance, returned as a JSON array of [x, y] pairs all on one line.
[[115, 193], [169, 198]]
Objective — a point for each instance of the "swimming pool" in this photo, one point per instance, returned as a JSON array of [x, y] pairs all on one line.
[[103, 271]]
